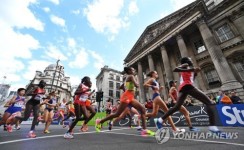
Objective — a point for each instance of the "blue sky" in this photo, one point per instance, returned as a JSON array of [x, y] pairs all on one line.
[[84, 34]]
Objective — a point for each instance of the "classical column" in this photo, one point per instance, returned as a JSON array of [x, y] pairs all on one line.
[[161, 79], [150, 62], [141, 81], [182, 46], [167, 66], [220, 63]]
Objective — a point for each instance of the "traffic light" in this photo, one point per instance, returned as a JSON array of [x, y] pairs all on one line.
[[99, 96]]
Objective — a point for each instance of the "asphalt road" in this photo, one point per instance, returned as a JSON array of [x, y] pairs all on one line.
[[117, 139]]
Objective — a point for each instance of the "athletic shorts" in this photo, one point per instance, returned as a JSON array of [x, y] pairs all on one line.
[[72, 110], [127, 97], [49, 109], [108, 111], [12, 109], [155, 95], [88, 103], [61, 111]]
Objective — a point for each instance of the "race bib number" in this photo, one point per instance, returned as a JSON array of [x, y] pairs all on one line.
[[83, 97], [19, 104]]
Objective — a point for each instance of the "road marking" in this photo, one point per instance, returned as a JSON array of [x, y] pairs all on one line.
[[59, 135], [206, 141]]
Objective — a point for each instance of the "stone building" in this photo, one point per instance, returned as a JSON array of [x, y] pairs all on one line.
[[108, 81], [56, 80], [212, 36]]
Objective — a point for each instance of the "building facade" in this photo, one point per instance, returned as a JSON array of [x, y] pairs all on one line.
[[4, 89], [56, 80], [108, 81], [213, 38]]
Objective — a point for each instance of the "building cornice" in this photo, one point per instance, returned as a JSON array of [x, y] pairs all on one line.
[[178, 15]]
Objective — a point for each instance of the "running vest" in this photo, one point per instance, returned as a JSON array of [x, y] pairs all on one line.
[[186, 78], [129, 86], [51, 101], [19, 101], [84, 96], [39, 94], [174, 94], [155, 83]]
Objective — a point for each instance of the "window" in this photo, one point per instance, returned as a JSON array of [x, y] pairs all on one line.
[[111, 84], [111, 93], [111, 76], [212, 76], [224, 33], [117, 86], [240, 68], [118, 78], [117, 94], [199, 46]]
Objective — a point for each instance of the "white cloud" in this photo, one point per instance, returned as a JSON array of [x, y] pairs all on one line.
[[57, 20], [33, 66], [133, 8], [16, 13], [53, 52], [81, 59], [76, 12], [104, 16], [71, 42], [16, 44], [74, 79], [56, 2], [46, 9], [179, 4], [99, 61]]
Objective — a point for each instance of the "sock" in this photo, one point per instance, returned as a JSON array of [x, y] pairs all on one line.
[[160, 120], [213, 128], [31, 131]]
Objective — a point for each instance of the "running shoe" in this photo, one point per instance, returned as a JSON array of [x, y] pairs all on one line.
[[9, 128], [194, 129], [110, 125], [147, 132], [138, 128], [84, 128], [5, 128], [17, 128], [178, 130], [46, 131], [157, 123], [98, 125], [31, 135], [68, 136]]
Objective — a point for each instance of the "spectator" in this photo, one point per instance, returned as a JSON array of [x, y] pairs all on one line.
[[224, 99], [235, 99], [149, 104]]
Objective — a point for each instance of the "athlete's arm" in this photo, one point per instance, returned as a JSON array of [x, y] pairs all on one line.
[[12, 100], [148, 83], [133, 79], [80, 90]]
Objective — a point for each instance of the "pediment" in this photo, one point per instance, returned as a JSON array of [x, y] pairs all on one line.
[[157, 28]]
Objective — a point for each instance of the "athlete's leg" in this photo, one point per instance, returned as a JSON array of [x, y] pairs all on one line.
[[121, 108]]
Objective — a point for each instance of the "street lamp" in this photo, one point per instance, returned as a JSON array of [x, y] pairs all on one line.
[[54, 74]]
